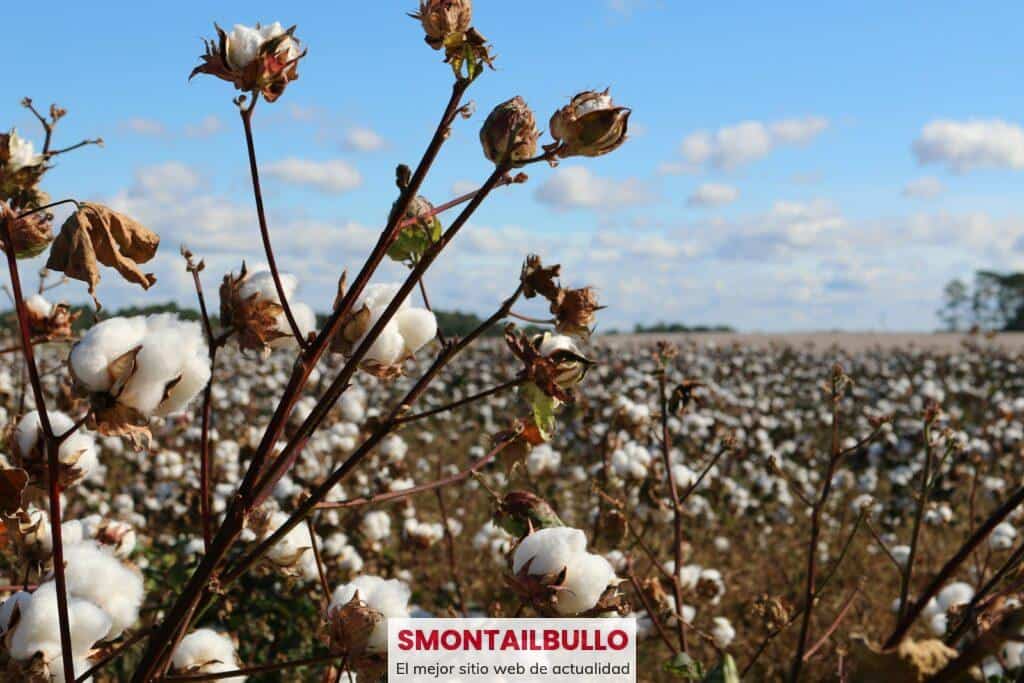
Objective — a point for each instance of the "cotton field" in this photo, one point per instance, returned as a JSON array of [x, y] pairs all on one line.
[[749, 451]]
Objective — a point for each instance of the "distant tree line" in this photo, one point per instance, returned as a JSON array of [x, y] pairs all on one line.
[[993, 301], [451, 323]]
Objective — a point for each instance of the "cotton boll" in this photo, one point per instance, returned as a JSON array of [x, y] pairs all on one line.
[[388, 348], [938, 624], [38, 628], [94, 574], [722, 632], [294, 546], [39, 306], [78, 450], [390, 598], [1002, 537], [417, 327], [103, 343], [376, 525], [586, 579], [954, 594], [207, 651], [551, 343], [550, 550]]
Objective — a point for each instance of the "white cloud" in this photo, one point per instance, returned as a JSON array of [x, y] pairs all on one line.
[[333, 176], [461, 187], [740, 144], [210, 125], [967, 145], [166, 180], [363, 139], [713, 194], [576, 187], [926, 187], [147, 127]]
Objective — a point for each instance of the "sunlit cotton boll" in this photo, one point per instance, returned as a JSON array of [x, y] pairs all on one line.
[[261, 284], [405, 333], [389, 597], [77, 450], [171, 367], [93, 573], [722, 632], [586, 580], [38, 629], [1002, 537], [207, 651], [549, 551], [244, 43]]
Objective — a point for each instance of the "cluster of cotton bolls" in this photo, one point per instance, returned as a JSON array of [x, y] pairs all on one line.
[[549, 552], [104, 598], [170, 363]]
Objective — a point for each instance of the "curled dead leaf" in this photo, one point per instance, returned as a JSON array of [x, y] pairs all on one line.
[[94, 235], [912, 661]]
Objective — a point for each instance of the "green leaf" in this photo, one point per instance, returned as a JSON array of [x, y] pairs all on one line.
[[725, 672], [685, 667], [544, 408]]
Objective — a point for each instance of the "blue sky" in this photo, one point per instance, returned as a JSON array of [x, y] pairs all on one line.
[[793, 166]]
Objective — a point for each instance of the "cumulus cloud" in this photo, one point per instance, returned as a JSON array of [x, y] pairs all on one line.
[[733, 146], [145, 127], [788, 228], [210, 125], [576, 187], [711, 195], [461, 187], [964, 146], [362, 139], [926, 187], [333, 176]]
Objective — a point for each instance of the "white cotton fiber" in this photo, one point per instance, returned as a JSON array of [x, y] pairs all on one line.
[[104, 342], [405, 333], [93, 573], [550, 549], [417, 327], [79, 449], [170, 350], [587, 578], [39, 306], [38, 629], [556, 548], [207, 651]]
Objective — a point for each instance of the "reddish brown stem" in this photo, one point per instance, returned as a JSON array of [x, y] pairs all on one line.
[[52, 447], [246, 113]]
